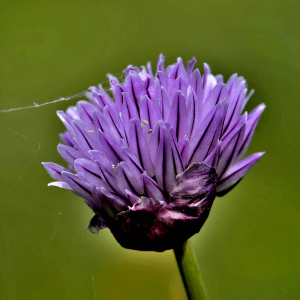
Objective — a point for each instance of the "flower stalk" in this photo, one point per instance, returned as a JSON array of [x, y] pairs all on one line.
[[190, 272]]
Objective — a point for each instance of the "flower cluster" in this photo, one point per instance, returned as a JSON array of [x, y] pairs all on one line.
[[150, 162]]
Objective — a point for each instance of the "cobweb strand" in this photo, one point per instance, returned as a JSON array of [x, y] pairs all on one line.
[[36, 105], [74, 96]]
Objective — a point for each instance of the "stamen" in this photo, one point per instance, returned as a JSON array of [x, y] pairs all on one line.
[[145, 122]]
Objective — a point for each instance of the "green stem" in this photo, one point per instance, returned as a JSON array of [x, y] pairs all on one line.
[[190, 272]]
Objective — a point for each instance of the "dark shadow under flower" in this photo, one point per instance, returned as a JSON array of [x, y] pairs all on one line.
[[150, 162]]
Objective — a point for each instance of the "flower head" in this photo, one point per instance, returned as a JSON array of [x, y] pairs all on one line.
[[150, 162]]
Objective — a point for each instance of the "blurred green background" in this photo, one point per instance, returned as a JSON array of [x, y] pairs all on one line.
[[248, 248]]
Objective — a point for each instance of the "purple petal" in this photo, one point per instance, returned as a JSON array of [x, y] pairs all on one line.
[[114, 120], [99, 97], [190, 66], [160, 63], [220, 79], [149, 116], [112, 203], [54, 170], [99, 121], [82, 138], [89, 171], [229, 154], [236, 172], [183, 148], [227, 138], [181, 71], [157, 90], [206, 135], [148, 85], [236, 86], [102, 159], [235, 107], [131, 70], [225, 104], [69, 154], [154, 140], [138, 145], [151, 188], [231, 85], [102, 95], [132, 197], [108, 179], [72, 113], [218, 132], [251, 124], [165, 104], [106, 126], [67, 121], [116, 90], [148, 112], [129, 108], [132, 160], [246, 98], [149, 68], [179, 85], [177, 70], [67, 139], [133, 87], [194, 111], [125, 115], [161, 79], [110, 148], [97, 203], [83, 188], [85, 111], [165, 170], [125, 179], [61, 184], [179, 167], [96, 99], [197, 84], [218, 94], [208, 82], [213, 158], [178, 118]]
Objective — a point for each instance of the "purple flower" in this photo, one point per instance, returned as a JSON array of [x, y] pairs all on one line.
[[150, 162]]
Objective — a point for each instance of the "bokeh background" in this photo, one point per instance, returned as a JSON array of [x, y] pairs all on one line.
[[249, 246]]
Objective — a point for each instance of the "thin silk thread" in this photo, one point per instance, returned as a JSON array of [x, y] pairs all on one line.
[[74, 96]]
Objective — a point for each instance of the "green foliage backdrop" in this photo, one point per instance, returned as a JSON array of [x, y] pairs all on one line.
[[248, 248]]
